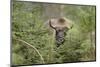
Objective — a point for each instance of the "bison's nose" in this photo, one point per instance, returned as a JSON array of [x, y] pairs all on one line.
[[60, 38]]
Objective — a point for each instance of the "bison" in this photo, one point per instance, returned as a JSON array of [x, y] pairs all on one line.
[[60, 27]]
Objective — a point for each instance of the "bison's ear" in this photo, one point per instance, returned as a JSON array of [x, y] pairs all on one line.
[[50, 23]]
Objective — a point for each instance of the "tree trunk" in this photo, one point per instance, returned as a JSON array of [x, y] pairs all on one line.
[[53, 11]]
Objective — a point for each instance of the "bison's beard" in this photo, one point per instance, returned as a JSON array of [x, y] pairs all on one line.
[[60, 37]]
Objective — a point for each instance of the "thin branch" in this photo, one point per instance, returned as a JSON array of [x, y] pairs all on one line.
[[41, 57]]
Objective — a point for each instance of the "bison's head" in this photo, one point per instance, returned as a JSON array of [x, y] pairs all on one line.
[[61, 26]]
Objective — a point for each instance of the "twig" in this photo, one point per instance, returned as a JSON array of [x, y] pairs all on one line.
[[33, 48]]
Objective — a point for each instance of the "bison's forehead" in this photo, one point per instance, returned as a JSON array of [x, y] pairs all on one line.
[[61, 23]]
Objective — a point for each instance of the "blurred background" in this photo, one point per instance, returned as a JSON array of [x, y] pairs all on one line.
[[32, 42]]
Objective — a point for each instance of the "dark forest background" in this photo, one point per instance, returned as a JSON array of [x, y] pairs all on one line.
[[32, 42]]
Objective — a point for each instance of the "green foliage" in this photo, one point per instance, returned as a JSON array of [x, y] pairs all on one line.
[[28, 25]]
